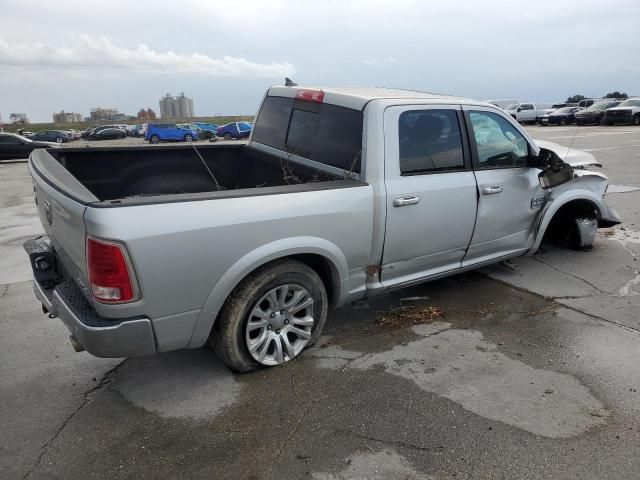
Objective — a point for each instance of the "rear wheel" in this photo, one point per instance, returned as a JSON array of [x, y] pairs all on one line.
[[563, 121], [228, 136], [188, 137], [636, 119], [154, 139], [59, 139], [271, 317]]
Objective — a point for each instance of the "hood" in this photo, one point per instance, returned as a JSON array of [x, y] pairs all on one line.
[[617, 109], [575, 158]]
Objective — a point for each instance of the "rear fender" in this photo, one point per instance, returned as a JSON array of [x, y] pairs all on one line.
[[256, 258]]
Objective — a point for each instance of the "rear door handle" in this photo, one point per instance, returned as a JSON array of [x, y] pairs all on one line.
[[491, 190], [404, 201]]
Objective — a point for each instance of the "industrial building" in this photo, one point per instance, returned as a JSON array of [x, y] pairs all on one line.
[[18, 118], [100, 114], [176, 107], [67, 117]]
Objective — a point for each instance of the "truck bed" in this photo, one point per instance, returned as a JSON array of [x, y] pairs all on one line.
[[140, 175]]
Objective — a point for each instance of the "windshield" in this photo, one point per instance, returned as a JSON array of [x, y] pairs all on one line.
[[632, 102], [598, 106], [513, 106], [564, 110]]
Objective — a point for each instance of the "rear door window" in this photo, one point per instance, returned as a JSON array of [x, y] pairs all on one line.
[[430, 141]]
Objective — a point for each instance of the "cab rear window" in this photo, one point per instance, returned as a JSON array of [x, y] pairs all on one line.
[[318, 131]]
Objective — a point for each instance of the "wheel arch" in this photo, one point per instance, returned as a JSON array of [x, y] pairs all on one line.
[[576, 202], [324, 257]]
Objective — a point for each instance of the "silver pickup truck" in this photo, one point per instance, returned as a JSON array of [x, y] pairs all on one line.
[[339, 194]]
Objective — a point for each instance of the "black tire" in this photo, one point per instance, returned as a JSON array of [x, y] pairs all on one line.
[[228, 337], [228, 136], [636, 119], [563, 121], [188, 137], [154, 139], [59, 140]]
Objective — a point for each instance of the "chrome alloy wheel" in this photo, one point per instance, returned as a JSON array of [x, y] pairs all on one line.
[[279, 326]]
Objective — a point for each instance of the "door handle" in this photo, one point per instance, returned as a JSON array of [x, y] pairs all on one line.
[[491, 190], [404, 201]]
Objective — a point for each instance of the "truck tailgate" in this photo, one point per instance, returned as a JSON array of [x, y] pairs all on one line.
[[61, 201]]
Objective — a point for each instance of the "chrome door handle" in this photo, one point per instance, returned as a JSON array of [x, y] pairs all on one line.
[[491, 190], [404, 201]]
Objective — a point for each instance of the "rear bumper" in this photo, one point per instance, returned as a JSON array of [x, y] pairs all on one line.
[[99, 336]]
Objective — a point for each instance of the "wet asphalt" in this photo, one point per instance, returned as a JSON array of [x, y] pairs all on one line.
[[524, 372]]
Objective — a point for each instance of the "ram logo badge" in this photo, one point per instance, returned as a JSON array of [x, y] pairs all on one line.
[[47, 212]]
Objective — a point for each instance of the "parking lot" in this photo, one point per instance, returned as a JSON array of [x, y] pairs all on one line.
[[523, 372]]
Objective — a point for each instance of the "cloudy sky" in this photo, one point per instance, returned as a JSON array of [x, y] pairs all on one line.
[[74, 55]]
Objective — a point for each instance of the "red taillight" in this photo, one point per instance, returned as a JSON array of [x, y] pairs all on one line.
[[310, 95], [108, 272]]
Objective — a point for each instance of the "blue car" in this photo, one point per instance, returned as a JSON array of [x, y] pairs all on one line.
[[234, 130], [211, 127], [169, 132]]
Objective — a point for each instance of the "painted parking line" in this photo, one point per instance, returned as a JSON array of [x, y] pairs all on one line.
[[621, 189], [599, 149], [597, 134]]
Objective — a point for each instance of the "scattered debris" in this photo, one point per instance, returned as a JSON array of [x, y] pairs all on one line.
[[288, 175], [406, 316]]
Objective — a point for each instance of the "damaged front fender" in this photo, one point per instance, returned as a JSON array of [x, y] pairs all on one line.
[[586, 187]]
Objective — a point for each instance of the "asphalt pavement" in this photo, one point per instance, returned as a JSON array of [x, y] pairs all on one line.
[[521, 371]]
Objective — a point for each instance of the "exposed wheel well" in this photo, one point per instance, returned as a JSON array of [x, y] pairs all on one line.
[[325, 270], [561, 227]]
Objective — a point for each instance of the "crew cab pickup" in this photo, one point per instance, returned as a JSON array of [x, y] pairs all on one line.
[[339, 194]]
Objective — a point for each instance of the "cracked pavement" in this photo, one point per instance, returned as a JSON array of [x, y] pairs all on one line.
[[531, 373]]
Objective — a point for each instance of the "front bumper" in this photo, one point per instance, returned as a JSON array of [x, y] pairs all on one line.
[[609, 218], [99, 336]]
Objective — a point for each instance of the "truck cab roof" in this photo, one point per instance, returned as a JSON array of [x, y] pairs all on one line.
[[358, 97]]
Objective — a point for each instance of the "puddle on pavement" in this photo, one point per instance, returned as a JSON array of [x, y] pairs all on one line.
[[462, 366], [182, 384], [383, 465]]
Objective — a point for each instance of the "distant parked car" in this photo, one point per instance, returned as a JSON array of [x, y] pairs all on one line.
[[594, 114], [207, 126], [169, 132], [58, 136], [17, 146], [561, 116], [627, 112], [202, 133], [234, 130], [131, 130], [107, 134], [528, 112], [140, 130]]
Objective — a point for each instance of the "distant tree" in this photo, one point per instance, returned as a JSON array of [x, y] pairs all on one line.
[[575, 99], [616, 94], [151, 115]]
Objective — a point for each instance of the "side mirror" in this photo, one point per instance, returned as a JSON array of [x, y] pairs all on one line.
[[519, 109], [554, 171]]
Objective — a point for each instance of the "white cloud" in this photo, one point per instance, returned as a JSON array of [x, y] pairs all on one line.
[[379, 62], [100, 53]]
